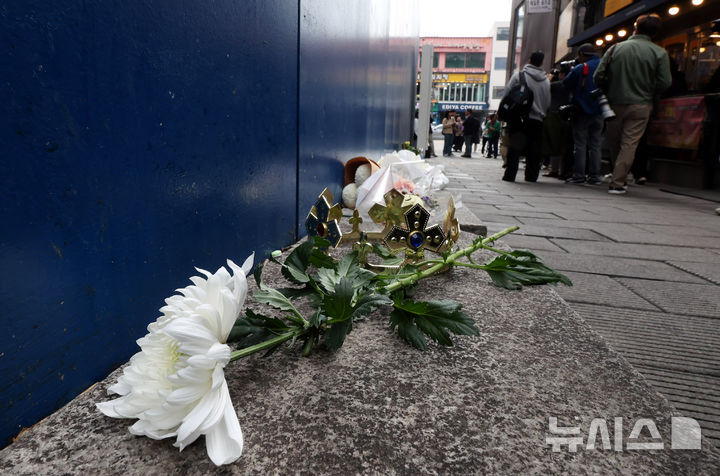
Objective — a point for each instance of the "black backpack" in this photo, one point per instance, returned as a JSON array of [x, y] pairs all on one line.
[[516, 104]]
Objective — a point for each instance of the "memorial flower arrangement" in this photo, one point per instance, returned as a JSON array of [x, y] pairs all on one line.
[[175, 386]]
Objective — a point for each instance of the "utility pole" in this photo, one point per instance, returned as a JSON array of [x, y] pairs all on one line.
[[426, 63]]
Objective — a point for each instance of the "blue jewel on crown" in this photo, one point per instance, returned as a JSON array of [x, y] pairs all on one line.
[[416, 237]]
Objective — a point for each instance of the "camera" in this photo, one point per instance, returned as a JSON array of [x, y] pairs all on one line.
[[567, 112], [606, 111]]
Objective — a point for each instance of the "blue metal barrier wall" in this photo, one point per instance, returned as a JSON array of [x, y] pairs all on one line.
[[358, 65], [143, 138]]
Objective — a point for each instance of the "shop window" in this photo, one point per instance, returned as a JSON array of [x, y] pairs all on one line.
[[464, 60], [436, 60], [503, 33], [694, 60], [475, 60], [500, 63]]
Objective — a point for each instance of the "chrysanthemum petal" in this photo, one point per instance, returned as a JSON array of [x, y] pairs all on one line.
[[224, 441]]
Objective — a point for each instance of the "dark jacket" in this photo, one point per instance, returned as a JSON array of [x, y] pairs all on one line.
[[471, 126], [581, 93]]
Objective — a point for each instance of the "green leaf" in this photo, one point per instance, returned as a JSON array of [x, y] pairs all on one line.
[[320, 242], [394, 261], [345, 265], [522, 267], [295, 266], [257, 274], [338, 304], [382, 251], [368, 303], [276, 299], [295, 293], [437, 319], [404, 322], [317, 319], [327, 278], [336, 333], [255, 328]]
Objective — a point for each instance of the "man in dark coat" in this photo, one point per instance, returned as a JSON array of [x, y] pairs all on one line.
[[471, 127]]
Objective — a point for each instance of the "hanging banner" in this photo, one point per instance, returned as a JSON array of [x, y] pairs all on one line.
[[678, 123], [539, 6]]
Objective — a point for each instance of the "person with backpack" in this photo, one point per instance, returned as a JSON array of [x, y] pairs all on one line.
[[523, 108], [588, 122]]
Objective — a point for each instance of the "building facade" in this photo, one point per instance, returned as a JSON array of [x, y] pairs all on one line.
[[501, 35], [683, 136], [461, 72]]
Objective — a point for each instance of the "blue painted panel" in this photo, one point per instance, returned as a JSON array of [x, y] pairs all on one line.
[[137, 139], [358, 65]]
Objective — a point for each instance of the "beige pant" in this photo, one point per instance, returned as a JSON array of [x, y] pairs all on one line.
[[624, 133]]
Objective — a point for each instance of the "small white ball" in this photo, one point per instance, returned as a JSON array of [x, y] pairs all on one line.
[[349, 195], [362, 173]]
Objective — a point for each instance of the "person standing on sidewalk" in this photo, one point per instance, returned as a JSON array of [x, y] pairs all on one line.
[[448, 131], [485, 135], [494, 129], [471, 126], [587, 125], [632, 73], [458, 129], [526, 135]]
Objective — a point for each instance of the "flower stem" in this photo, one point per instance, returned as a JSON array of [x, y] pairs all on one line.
[[239, 354], [449, 261]]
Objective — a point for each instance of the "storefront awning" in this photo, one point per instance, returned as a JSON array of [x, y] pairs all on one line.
[[629, 13]]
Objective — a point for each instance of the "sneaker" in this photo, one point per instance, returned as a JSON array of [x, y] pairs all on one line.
[[617, 190], [577, 180], [641, 181], [607, 178], [595, 181]]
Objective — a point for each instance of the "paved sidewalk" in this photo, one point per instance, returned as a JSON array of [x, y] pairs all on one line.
[[645, 267]]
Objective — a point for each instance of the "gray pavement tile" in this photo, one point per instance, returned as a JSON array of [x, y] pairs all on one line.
[[708, 271], [676, 229], [533, 243], [480, 209], [679, 298], [599, 289], [494, 218], [635, 235], [650, 252], [560, 232], [687, 337], [626, 267], [525, 214], [585, 223]]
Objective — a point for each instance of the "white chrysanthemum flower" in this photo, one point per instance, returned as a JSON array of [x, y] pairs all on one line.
[[175, 386]]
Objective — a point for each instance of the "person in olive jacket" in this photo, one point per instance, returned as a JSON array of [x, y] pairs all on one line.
[[632, 73]]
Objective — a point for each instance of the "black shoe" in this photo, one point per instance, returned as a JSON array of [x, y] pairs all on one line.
[[640, 181], [508, 179], [617, 190], [575, 180], [466, 156]]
